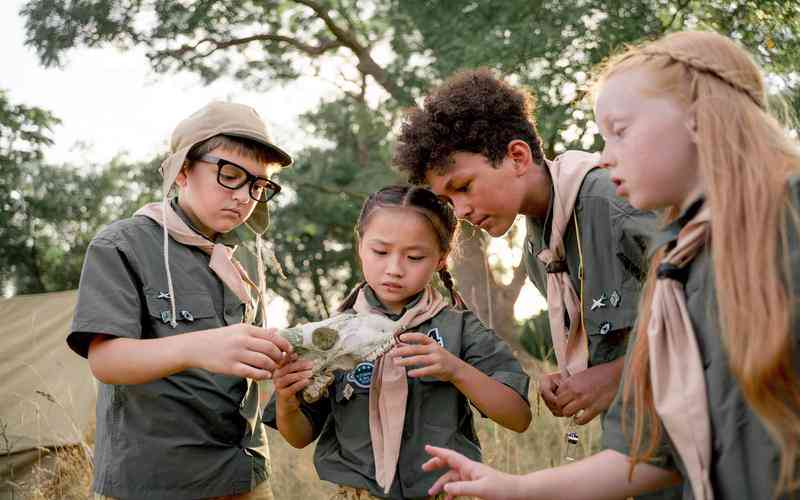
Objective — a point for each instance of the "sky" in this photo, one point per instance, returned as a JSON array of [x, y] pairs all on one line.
[[110, 103]]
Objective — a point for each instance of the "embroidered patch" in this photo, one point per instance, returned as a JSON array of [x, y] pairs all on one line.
[[187, 316], [434, 334], [361, 375], [164, 295], [598, 303], [348, 392], [615, 299], [605, 327]]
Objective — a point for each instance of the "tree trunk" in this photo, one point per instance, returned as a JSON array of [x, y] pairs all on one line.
[[492, 301]]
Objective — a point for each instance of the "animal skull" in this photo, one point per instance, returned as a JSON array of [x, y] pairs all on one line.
[[339, 342]]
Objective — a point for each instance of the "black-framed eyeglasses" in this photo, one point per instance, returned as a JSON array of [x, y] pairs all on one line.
[[233, 176]]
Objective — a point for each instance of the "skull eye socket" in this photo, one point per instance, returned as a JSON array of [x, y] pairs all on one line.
[[324, 338]]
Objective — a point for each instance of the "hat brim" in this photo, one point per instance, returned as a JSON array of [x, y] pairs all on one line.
[[283, 157]]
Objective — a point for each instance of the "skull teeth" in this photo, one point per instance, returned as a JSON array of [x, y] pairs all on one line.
[[381, 349]]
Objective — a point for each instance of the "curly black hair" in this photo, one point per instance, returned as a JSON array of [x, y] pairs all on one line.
[[473, 111]]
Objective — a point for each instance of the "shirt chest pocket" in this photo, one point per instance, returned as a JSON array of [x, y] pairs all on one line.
[[193, 311]]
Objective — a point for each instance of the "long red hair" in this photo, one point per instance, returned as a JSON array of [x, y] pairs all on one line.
[[745, 158]]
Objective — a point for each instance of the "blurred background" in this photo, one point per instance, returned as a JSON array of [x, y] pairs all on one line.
[[91, 89]]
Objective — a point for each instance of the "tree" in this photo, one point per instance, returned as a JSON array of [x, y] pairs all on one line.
[[314, 234], [50, 212], [24, 132], [401, 48]]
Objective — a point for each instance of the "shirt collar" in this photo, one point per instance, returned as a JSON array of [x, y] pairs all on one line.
[[669, 234], [231, 238], [539, 229], [375, 302]]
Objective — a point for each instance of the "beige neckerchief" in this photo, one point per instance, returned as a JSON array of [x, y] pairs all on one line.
[[229, 270], [570, 343], [388, 391], [676, 368]]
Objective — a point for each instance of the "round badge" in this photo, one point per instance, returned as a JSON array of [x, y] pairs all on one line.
[[361, 375]]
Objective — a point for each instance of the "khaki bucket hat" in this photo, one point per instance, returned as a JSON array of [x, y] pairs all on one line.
[[220, 118]]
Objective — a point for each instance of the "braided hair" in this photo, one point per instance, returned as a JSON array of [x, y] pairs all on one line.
[[436, 211], [745, 158]]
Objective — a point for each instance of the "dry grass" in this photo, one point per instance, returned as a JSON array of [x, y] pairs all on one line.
[[541, 446], [66, 472]]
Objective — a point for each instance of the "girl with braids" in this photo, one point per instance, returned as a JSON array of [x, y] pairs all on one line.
[[711, 390], [404, 237]]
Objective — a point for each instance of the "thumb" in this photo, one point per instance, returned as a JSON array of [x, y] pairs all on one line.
[[464, 488]]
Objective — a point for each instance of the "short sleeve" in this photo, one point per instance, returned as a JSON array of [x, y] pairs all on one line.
[[483, 349], [109, 296], [316, 413], [615, 237], [634, 231]]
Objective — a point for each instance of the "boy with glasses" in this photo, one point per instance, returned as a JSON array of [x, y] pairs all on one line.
[[166, 315]]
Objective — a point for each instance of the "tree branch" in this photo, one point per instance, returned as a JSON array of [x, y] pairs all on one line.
[[678, 10], [311, 50], [366, 64]]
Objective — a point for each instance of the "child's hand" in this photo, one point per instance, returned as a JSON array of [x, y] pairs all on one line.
[[548, 387], [241, 350], [289, 378], [431, 359], [466, 477], [590, 392]]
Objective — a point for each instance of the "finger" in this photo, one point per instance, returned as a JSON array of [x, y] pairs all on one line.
[[287, 358], [427, 371], [554, 408], [270, 335], [414, 349], [572, 408], [415, 338], [447, 477], [247, 371], [265, 347], [566, 395], [449, 457], [289, 379], [550, 399], [297, 386], [547, 391], [422, 359], [257, 360], [464, 488], [586, 416], [433, 463]]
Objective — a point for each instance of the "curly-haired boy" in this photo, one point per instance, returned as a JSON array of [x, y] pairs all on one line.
[[474, 141]]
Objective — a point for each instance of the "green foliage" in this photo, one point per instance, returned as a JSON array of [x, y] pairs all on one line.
[[553, 46], [24, 132], [313, 233], [549, 45], [50, 212], [535, 337]]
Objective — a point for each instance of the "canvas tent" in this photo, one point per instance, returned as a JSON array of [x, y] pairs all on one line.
[[47, 392]]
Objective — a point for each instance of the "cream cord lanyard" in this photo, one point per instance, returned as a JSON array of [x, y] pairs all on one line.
[[571, 436]]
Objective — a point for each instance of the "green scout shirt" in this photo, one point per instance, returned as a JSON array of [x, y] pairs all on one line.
[[182, 436], [613, 240], [744, 458], [436, 412]]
